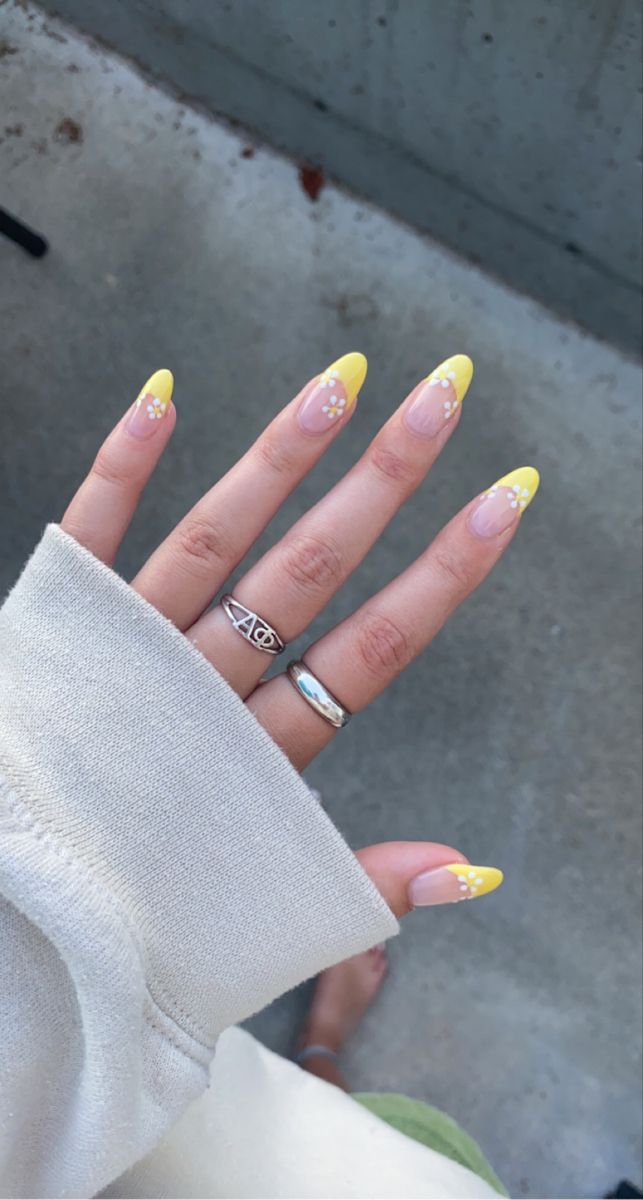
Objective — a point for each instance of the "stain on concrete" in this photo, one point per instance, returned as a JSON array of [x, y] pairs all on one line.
[[354, 308], [312, 180], [54, 34], [69, 131]]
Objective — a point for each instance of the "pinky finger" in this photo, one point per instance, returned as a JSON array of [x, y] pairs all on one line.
[[106, 501], [420, 874]]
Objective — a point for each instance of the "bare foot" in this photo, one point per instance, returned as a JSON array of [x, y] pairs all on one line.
[[342, 995]]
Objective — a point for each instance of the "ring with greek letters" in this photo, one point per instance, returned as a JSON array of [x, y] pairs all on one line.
[[315, 693], [251, 626]]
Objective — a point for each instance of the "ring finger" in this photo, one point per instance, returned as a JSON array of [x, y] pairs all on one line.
[[361, 656], [294, 581]]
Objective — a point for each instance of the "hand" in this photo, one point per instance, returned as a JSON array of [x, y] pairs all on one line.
[[293, 581]]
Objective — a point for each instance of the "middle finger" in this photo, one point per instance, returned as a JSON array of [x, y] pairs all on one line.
[[189, 567], [294, 580]]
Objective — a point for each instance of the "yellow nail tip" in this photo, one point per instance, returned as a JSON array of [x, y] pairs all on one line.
[[161, 385], [477, 880], [524, 481], [351, 370], [457, 370]]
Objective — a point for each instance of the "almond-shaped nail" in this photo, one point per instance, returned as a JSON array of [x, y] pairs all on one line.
[[332, 397], [458, 881], [502, 505], [151, 405], [439, 396]]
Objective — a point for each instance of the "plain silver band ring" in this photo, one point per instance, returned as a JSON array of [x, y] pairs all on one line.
[[318, 696], [252, 627]]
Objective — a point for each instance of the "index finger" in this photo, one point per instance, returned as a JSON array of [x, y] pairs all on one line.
[[101, 510]]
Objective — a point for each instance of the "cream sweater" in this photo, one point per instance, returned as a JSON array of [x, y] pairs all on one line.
[[164, 873]]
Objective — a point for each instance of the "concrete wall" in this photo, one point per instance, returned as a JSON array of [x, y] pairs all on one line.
[[508, 129]]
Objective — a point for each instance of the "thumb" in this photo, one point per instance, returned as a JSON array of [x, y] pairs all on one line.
[[415, 874]]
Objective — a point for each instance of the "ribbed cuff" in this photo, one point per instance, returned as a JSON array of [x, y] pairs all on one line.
[[132, 753]]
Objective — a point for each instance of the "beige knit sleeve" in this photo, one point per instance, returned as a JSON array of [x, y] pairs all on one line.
[[159, 846]]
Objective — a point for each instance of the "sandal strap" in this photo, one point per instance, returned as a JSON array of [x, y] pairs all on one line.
[[309, 1051]]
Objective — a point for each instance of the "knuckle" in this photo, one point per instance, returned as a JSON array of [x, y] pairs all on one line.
[[203, 544], [454, 569], [313, 564], [273, 454], [110, 469], [391, 466], [383, 646]]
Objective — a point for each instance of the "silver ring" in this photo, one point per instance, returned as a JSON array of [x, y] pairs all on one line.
[[252, 627], [318, 696]]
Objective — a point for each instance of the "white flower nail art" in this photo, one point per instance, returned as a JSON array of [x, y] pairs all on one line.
[[155, 408], [335, 407], [469, 882], [517, 496], [329, 378], [442, 377]]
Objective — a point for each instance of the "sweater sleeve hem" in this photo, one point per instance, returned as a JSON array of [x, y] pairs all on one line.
[[130, 749]]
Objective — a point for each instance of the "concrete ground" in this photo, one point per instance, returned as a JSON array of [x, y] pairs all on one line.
[[516, 737]]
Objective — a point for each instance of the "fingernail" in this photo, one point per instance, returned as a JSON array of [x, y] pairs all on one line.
[[502, 505], [458, 881], [439, 396], [334, 394], [151, 405]]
